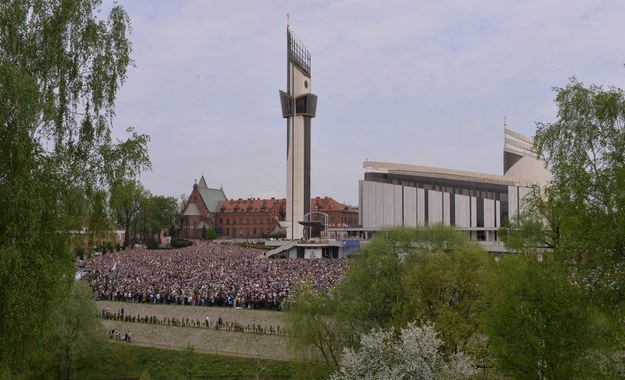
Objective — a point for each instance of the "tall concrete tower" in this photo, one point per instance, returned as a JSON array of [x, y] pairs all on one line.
[[299, 106]]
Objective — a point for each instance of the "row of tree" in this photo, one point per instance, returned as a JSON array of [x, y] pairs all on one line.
[[553, 309], [61, 65], [63, 178], [143, 215], [523, 316]]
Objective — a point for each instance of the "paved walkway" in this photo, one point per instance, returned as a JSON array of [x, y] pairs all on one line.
[[204, 340]]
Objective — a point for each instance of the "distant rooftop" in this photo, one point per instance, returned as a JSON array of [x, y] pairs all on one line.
[[211, 197]]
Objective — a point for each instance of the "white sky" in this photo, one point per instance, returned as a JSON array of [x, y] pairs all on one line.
[[416, 82]]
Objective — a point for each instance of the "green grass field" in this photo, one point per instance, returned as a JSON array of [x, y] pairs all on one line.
[[128, 361]]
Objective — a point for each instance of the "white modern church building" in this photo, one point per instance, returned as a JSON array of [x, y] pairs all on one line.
[[394, 194]]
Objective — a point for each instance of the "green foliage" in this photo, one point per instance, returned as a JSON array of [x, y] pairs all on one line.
[[155, 214], [127, 361], [382, 287], [209, 233], [545, 312], [79, 252], [523, 234], [312, 323], [306, 370], [537, 227], [60, 69], [98, 229], [151, 243], [278, 233], [541, 325], [585, 149], [450, 289], [145, 375], [372, 290], [400, 276], [187, 364], [127, 198], [78, 337], [180, 242]]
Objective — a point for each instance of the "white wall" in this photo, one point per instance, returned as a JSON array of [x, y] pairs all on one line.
[[435, 206], [512, 201], [295, 159], [489, 213], [420, 207], [381, 206], [531, 169], [387, 206], [410, 206], [398, 212], [473, 203], [463, 210], [446, 209], [298, 84]]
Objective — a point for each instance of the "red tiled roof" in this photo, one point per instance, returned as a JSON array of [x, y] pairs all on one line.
[[252, 205], [326, 204], [263, 205]]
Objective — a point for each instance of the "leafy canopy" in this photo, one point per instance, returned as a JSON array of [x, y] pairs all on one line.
[[540, 323], [585, 150], [401, 276], [60, 69]]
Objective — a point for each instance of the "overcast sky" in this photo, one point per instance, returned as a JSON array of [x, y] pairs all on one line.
[[416, 82]]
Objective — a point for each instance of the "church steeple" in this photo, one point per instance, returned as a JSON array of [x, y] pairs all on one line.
[[202, 182]]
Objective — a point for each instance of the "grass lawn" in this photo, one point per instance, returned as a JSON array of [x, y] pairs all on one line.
[[128, 361]]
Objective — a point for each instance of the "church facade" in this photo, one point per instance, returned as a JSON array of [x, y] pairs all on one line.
[[200, 209]]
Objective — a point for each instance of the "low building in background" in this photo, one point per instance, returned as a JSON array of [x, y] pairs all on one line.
[[260, 218], [339, 214], [394, 194], [249, 218]]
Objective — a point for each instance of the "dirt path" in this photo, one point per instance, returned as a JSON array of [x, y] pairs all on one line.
[[204, 340]]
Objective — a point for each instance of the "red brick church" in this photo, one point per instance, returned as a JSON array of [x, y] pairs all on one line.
[[199, 212]]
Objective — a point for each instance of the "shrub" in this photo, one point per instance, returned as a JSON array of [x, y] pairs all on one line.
[[179, 242], [151, 243], [209, 233]]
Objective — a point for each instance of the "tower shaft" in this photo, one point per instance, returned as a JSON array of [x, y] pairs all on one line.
[[299, 106]]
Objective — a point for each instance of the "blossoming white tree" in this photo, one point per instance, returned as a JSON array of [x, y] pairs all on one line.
[[416, 354]]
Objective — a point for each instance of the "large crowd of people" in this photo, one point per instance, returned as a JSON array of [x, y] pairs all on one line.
[[206, 273]]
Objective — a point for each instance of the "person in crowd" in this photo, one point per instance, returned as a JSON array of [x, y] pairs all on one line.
[[207, 274]]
